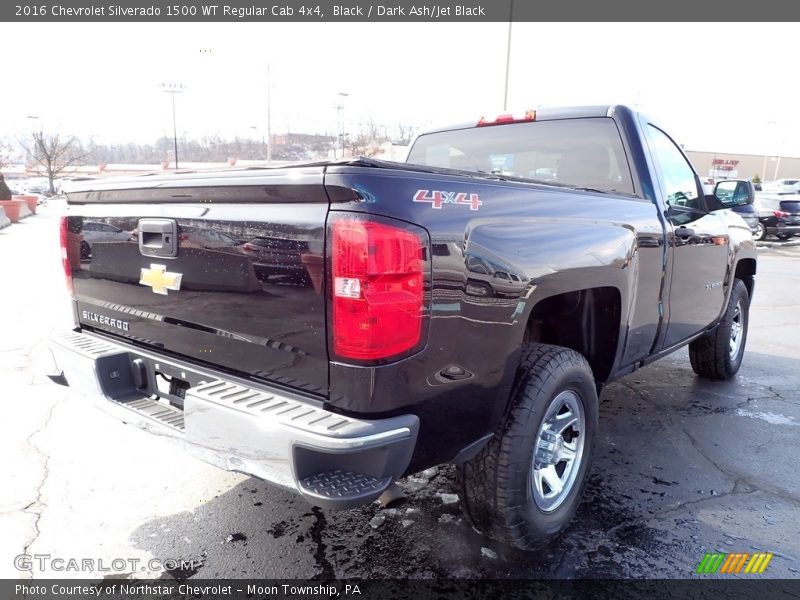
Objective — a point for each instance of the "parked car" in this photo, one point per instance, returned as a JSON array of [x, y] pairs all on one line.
[[37, 187], [210, 239], [750, 215], [778, 216], [790, 186], [94, 232], [196, 237], [276, 256]]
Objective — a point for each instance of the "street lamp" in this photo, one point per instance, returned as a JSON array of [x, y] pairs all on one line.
[[764, 170], [269, 116], [172, 89], [254, 140], [36, 142], [340, 123], [508, 56]]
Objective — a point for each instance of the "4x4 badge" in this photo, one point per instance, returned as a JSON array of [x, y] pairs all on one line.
[[161, 280], [438, 198]]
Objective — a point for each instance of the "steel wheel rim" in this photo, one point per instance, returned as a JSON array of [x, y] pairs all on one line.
[[737, 330], [558, 451]]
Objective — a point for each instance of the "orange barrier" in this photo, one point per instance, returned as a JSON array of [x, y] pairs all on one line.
[[31, 200], [15, 209]]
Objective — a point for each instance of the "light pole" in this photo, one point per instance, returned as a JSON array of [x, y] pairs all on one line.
[[254, 142], [340, 123], [172, 89], [269, 116], [36, 141], [764, 170], [508, 56]]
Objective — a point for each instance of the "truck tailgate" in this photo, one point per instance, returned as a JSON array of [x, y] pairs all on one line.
[[226, 271]]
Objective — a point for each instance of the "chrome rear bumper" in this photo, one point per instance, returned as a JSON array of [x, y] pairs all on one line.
[[333, 460]]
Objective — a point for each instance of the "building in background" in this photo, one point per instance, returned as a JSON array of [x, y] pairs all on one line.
[[720, 165]]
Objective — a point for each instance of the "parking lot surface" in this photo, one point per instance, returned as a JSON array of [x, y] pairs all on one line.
[[682, 467]]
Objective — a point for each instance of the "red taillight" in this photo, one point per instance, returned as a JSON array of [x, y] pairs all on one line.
[[377, 289], [65, 260], [251, 247], [780, 213]]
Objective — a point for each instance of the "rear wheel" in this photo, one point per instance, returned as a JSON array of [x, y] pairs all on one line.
[[761, 232], [718, 354], [525, 486]]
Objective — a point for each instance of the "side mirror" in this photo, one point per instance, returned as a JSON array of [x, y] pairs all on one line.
[[734, 192]]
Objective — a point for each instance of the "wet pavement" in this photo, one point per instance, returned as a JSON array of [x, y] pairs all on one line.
[[682, 467]]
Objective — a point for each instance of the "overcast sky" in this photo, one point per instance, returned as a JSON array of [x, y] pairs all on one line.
[[718, 87]]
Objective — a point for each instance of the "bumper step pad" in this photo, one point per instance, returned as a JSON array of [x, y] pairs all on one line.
[[168, 415], [343, 485]]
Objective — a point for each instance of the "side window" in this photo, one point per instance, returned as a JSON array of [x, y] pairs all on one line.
[[678, 177], [476, 266]]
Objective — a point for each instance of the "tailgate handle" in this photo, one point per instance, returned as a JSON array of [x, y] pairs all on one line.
[[158, 237]]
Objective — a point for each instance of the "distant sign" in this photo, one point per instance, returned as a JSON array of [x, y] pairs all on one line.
[[724, 168], [724, 164]]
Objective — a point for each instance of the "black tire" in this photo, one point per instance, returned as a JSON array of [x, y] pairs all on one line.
[[497, 486], [713, 355], [761, 232], [473, 287], [783, 236]]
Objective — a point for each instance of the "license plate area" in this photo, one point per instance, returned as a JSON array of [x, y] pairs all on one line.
[[167, 382], [158, 381]]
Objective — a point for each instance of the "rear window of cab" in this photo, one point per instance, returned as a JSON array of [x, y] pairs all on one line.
[[586, 153]]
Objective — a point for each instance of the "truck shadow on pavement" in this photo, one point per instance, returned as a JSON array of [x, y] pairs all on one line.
[[679, 470]]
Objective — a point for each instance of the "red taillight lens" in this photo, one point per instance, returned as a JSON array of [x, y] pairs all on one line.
[[780, 213], [378, 274], [251, 247], [65, 259]]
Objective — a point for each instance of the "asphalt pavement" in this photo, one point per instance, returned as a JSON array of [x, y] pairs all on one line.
[[683, 466]]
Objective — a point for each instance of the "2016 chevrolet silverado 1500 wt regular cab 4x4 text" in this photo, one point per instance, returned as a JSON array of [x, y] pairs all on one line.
[[370, 319]]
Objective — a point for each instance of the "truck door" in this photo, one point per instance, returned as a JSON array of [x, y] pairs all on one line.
[[697, 245]]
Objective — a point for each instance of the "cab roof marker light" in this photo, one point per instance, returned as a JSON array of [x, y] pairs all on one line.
[[530, 115]]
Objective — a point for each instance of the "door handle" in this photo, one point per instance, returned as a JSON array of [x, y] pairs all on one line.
[[158, 237]]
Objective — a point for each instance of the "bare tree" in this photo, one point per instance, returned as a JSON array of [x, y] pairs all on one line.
[[51, 154], [404, 133], [365, 145], [5, 154]]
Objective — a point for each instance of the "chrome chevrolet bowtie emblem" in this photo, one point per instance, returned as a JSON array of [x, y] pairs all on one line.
[[161, 280]]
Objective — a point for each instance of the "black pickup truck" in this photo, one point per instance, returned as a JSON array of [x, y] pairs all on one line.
[[332, 327]]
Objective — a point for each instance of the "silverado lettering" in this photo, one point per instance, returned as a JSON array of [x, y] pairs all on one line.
[[411, 337]]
